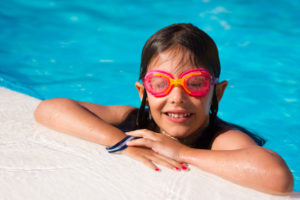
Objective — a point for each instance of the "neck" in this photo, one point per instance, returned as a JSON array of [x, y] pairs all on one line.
[[192, 138], [166, 134]]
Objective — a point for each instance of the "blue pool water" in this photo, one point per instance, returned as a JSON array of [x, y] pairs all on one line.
[[90, 51]]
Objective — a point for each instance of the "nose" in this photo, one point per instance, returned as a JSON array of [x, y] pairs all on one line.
[[177, 95]]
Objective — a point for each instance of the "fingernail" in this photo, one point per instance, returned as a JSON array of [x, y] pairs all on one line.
[[182, 163], [156, 169], [177, 168], [184, 168]]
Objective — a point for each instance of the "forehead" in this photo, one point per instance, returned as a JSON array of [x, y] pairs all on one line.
[[174, 61]]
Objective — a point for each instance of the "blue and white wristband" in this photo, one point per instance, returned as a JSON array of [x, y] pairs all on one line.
[[120, 145]]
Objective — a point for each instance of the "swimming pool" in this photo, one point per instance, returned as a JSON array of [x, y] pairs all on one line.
[[88, 50]]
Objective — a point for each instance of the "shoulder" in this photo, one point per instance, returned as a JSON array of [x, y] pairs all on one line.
[[232, 139]]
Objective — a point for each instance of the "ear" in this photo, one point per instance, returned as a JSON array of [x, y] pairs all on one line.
[[220, 88], [140, 88]]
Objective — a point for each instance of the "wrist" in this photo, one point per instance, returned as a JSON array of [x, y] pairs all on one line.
[[121, 145], [126, 151], [183, 153]]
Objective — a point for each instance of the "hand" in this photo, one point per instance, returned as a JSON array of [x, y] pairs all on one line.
[[159, 143], [148, 156]]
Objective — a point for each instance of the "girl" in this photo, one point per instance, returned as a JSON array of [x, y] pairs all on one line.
[[179, 85]]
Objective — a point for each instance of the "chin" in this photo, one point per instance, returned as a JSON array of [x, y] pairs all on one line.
[[178, 132]]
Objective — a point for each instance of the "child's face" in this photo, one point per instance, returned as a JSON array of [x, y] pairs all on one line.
[[178, 114]]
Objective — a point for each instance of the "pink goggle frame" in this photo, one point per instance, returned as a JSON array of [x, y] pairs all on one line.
[[195, 82]]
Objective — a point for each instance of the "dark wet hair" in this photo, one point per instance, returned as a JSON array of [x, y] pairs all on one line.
[[202, 52]]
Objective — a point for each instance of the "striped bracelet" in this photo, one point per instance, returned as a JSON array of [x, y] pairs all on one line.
[[120, 145]]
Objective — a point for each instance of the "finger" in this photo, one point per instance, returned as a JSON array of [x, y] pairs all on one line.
[[174, 163], [184, 166], [141, 142], [148, 163], [143, 133], [164, 162], [170, 163]]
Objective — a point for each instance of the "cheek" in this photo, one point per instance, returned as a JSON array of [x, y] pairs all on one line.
[[205, 103], [155, 104], [209, 100]]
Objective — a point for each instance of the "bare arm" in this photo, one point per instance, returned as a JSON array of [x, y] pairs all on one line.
[[234, 157], [95, 123], [253, 167], [83, 119]]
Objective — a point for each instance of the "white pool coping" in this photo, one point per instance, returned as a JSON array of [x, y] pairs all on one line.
[[41, 164]]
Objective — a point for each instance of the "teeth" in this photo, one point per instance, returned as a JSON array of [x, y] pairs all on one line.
[[178, 115]]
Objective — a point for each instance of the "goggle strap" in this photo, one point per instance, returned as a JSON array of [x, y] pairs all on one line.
[[215, 80]]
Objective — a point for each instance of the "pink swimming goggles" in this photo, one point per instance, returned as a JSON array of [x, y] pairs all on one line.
[[195, 82]]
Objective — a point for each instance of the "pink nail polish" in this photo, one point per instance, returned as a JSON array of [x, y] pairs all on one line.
[[156, 169], [184, 168], [182, 163], [177, 168]]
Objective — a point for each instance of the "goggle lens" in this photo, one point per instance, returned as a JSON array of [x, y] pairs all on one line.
[[157, 84], [197, 83]]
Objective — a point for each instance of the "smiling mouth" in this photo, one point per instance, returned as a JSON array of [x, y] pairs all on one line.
[[178, 116]]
